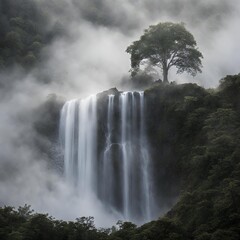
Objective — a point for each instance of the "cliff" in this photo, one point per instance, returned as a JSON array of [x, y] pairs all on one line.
[[194, 137]]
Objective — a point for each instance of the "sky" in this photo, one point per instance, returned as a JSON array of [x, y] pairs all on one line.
[[88, 59], [93, 57]]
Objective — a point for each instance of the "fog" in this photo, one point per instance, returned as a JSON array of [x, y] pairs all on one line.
[[100, 31], [90, 57]]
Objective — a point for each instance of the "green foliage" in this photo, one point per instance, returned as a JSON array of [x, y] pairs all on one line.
[[229, 91], [23, 33], [200, 129], [126, 231], [24, 224], [166, 45], [161, 229]]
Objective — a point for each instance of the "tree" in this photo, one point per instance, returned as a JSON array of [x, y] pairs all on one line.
[[166, 45]]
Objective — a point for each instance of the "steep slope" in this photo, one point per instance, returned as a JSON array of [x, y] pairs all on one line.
[[194, 136]]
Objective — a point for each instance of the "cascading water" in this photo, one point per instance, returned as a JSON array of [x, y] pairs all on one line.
[[116, 171], [135, 159], [78, 136], [108, 168]]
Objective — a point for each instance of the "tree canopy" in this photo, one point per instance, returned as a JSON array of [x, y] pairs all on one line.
[[166, 45], [23, 33]]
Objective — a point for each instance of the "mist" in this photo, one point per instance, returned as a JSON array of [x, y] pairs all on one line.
[[99, 32], [89, 58]]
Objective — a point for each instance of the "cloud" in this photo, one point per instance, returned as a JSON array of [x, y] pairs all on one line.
[[25, 175], [91, 61], [93, 55]]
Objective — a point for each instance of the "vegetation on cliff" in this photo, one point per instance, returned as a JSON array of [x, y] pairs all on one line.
[[196, 137], [166, 45]]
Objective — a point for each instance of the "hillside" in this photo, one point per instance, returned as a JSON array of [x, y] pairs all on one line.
[[195, 138]]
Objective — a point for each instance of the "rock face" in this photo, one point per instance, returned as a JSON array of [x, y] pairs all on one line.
[[46, 131], [106, 151], [193, 144], [125, 147]]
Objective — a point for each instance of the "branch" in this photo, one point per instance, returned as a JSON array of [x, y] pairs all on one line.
[[172, 62]]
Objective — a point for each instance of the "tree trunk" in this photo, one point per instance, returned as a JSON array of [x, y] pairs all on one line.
[[165, 73]]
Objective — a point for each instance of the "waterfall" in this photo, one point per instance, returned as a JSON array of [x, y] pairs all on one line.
[[106, 152], [135, 157], [78, 136], [145, 162], [108, 167]]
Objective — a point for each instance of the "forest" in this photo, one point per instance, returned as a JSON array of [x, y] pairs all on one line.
[[194, 133], [23, 34]]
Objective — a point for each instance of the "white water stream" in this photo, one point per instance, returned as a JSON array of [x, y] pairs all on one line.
[[119, 173]]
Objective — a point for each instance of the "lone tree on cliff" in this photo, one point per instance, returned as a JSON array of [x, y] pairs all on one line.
[[166, 45]]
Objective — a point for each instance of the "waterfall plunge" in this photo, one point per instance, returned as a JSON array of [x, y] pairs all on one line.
[[78, 136], [119, 173]]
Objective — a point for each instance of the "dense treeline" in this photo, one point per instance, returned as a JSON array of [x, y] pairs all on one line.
[[24, 31], [23, 223], [201, 131], [196, 138]]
